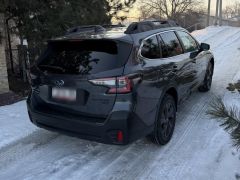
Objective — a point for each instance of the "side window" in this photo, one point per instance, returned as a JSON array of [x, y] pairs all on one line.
[[170, 45], [150, 48], [188, 42], [163, 48]]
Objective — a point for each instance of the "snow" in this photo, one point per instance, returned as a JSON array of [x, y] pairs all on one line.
[[14, 123], [200, 149]]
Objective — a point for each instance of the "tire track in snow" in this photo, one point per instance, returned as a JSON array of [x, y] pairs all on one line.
[[24, 146], [204, 38], [52, 158], [233, 40], [226, 38], [110, 158], [174, 150], [64, 167]]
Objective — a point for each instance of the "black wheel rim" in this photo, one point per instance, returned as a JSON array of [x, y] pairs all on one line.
[[167, 120]]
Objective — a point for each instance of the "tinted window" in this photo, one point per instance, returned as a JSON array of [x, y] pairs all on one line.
[[188, 42], [84, 57], [150, 48], [163, 48], [171, 45]]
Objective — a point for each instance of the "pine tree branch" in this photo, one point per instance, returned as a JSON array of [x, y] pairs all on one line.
[[229, 117]]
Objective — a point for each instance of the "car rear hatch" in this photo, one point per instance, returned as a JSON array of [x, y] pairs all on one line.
[[79, 77]]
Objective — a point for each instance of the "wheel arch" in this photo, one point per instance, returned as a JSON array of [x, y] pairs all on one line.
[[212, 62], [173, 92]]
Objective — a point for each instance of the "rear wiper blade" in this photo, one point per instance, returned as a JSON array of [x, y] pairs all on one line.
[[52, 67]]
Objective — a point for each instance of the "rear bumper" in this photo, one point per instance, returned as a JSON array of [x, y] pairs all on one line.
[[121, 119]]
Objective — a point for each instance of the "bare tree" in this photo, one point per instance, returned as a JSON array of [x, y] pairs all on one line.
[[170, 9], [232, 10]]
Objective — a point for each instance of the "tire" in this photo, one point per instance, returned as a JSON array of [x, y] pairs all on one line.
[[165, 121], [207, 83]]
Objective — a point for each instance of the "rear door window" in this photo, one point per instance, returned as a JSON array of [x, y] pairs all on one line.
[[84, 56], [189, 44], [170, 44], [150, 48]]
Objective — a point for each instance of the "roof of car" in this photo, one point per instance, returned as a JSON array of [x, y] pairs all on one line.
[[115, 34], [143, 35], [132, 33]]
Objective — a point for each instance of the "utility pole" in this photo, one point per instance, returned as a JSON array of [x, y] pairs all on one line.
[[216, 16], [208, 15], [220, 13]]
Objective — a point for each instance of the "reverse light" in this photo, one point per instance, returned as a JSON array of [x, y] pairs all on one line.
[[119, 85]]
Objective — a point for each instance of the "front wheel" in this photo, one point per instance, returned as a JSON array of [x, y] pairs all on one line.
[[165, 122], [207, 83]]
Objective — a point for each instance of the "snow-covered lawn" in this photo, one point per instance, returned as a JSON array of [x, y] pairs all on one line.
[[200, 149]]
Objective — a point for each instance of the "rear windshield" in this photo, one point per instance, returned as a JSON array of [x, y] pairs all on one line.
[[84, 57]]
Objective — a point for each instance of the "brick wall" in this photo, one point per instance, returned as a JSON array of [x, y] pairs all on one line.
[[4, 87]]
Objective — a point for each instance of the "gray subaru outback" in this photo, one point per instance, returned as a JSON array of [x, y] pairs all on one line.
[[115, 84]]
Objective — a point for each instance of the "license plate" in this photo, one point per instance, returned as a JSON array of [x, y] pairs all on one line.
[[64, 94]]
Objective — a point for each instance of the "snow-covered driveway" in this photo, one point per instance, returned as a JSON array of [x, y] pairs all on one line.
[[200, 149]]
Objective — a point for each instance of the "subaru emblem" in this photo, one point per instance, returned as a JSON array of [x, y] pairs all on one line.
[[59, 83]]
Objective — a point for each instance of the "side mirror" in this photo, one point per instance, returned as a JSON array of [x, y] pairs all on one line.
[[204, 47]]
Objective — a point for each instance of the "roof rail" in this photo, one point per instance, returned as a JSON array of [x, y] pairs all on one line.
[[148, 25], [86, 29], [111, 26]]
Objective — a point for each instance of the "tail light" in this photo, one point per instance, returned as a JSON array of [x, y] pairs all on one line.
[[120, 85]]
